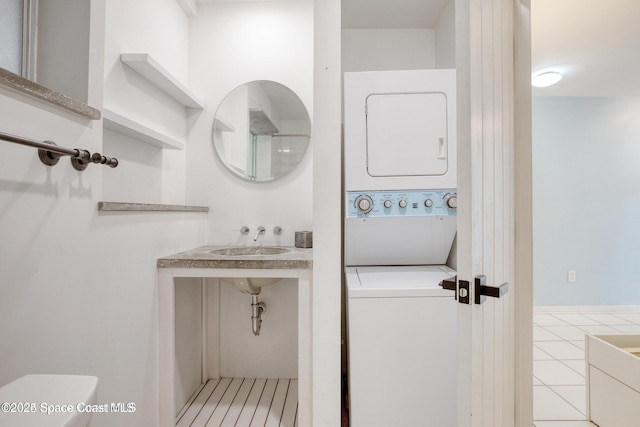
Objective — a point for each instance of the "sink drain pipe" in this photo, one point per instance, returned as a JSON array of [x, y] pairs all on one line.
[[257, 308]]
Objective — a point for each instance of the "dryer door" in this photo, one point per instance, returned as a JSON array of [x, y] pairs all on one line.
[[400, 130], [407, 134]]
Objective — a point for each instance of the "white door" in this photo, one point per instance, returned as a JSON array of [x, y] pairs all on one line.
[[488, 87]]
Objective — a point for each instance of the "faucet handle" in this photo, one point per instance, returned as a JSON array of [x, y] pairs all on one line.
[[244, 230], [277, 230]]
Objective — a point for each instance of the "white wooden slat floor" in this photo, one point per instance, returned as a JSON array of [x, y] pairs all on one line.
[[243, 402]]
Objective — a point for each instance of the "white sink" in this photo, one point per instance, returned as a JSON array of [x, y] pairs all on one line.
[[252, 285]]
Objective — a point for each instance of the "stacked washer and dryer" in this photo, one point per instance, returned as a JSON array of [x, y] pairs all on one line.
[[400, 224]]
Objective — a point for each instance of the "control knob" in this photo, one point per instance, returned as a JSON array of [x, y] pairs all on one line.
[[387, 204], [403, 203], [451, 200], [364, 203], [428, 203]]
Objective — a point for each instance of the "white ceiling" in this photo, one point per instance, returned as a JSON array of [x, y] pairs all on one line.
[[594, 43], [381, 13]]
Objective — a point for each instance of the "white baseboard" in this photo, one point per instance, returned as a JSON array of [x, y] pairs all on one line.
[[544, 309]]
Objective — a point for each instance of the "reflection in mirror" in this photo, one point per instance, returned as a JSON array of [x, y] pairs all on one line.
[[261, 130]]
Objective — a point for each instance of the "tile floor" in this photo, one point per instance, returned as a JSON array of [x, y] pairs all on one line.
[[559, 385]]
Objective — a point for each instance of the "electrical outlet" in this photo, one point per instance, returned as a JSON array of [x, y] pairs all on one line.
[[571, 276]]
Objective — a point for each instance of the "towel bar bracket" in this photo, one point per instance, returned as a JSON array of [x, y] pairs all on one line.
[[49, 158], [49, 153]]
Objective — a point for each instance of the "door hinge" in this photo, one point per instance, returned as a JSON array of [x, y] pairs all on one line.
[[461, 289]]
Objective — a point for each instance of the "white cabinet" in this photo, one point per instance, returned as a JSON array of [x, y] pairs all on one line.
[[613, 379]]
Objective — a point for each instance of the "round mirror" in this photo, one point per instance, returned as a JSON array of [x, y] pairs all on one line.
[[261, 130]]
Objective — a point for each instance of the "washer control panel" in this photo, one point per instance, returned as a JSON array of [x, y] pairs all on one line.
[[380, 204]]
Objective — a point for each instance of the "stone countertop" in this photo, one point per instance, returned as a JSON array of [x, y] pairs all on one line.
[[294, 259]]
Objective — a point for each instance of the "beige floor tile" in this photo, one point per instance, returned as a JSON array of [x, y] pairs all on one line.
[[553, 372], [607, 319], [630, 317], [579, 344], [570, 333], [559, 385], [539, 354], [628, 329], [574, 394], [575, 319], [599, 330], [561, 350], [548, 405], [543, 334], [577, 365], [547, 320]]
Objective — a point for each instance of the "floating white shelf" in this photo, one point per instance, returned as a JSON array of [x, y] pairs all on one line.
[[222, 125], [125, 126], [260, 123], [149, 68]]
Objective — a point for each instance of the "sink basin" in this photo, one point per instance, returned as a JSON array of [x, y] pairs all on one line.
[[252, 285], [250, 251]]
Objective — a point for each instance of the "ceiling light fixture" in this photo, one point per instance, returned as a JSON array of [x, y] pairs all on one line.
[[546, 79]]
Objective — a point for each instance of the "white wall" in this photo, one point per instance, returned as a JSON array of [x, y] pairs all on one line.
[[188, 338], [379, 49], [231, 44], [388, 49], [160, 29], [586, 194], [273, 353], [77, 287], [445, 38]]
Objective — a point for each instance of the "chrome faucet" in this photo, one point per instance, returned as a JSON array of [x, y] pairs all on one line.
[[260, 231]]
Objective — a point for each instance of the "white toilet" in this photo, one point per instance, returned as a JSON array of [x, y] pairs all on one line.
[[48, 401]]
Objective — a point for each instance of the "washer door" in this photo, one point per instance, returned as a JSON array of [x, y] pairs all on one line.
[[402, 344]]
